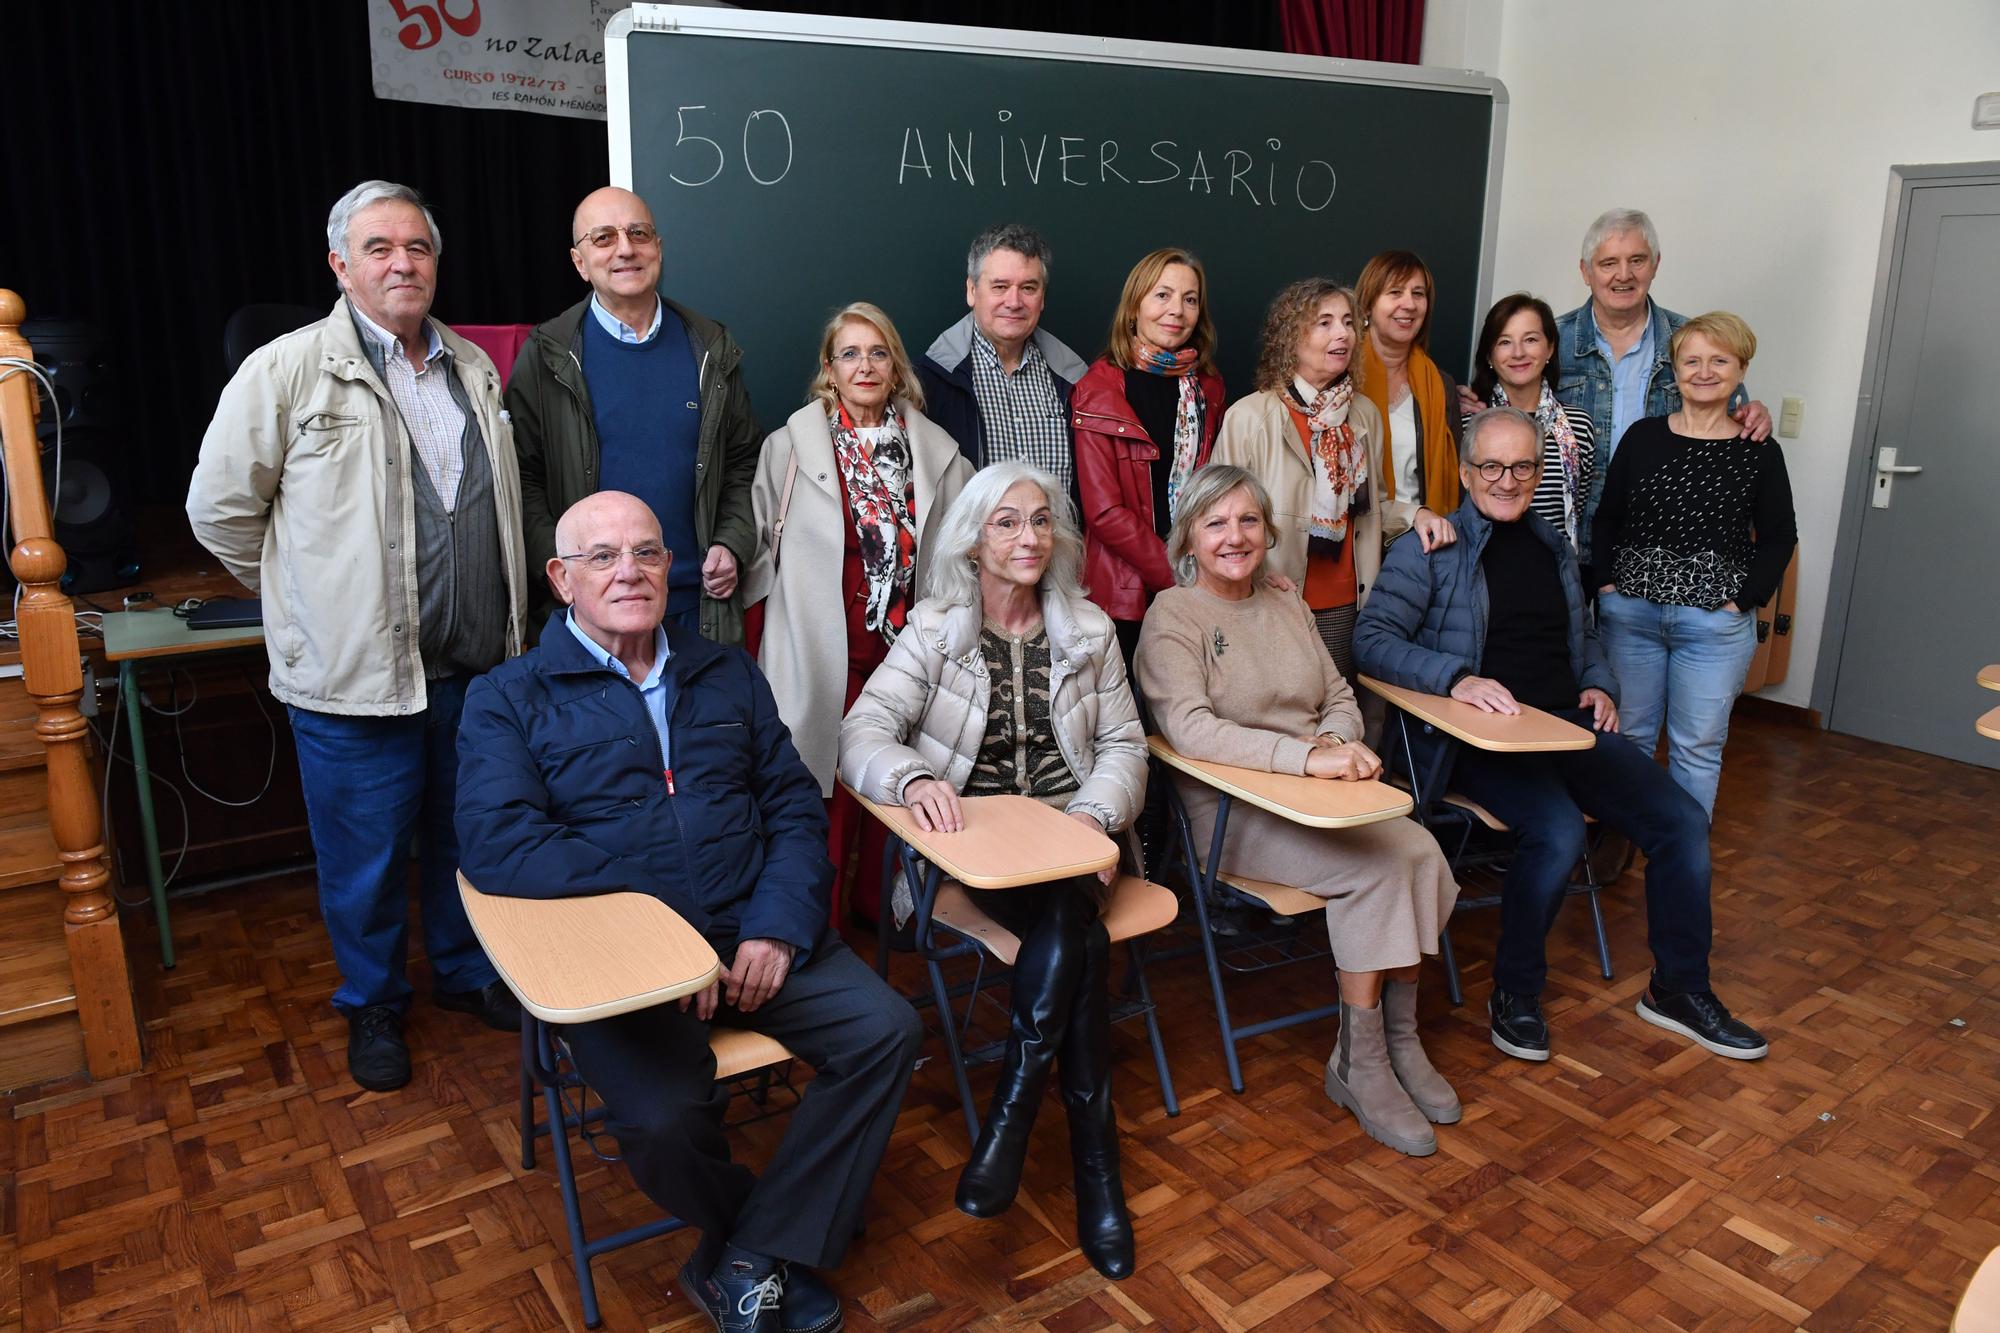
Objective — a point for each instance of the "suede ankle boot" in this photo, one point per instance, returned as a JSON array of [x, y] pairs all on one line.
[[1427, 1088], [1103, 1227], [1358, 1076], [1044, 983]]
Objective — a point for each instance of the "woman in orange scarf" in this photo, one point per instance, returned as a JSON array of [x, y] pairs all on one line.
[[1419, 481]]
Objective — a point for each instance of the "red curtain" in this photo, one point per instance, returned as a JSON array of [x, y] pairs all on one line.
[[1354, 29]]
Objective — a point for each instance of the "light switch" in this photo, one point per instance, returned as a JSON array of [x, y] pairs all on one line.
[[1788, 417]]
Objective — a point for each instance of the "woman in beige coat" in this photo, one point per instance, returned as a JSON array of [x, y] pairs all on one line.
[[1235, 674], [861, 479], [1007, 679], [1317, 448]]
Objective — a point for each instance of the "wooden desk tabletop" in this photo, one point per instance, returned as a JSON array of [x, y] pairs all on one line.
[[571, 960], [1007, 841], [1989, 676], [1989, 723], [1529, 729], [136, 634], [1314, 802]]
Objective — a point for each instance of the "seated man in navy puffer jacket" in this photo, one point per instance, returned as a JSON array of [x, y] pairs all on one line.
[[623, 755]]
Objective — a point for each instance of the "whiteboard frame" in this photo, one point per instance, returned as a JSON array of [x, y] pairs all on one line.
[[829, 31]]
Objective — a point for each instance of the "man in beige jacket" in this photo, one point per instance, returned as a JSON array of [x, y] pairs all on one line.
[[359, 475]]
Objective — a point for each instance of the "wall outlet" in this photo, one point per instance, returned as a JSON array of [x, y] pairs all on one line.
[[1789, 415]]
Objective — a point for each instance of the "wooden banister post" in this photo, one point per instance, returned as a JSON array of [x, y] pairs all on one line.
[[51, 669]]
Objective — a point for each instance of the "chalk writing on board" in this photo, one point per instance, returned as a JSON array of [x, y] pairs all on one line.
[[767, 155], [1262, 177]]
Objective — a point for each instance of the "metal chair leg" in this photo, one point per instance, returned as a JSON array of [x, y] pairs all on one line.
[[1450, 966], [530, 1026], [1138, 955], [1603, 944], [579, 1249], [1204, 884]]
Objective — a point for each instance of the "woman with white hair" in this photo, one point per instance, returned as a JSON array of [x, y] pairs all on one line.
[[1236, 673], [1007, 679], [849, 495]]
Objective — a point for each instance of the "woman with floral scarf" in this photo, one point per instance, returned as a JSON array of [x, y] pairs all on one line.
[[847, 497], [1516, 366], [1316, 445], [1144, 417]]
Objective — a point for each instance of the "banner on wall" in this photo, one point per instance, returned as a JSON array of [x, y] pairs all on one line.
[[515, 55]]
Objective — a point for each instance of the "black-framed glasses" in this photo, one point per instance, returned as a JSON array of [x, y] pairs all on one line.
[[1524, 470], [600, 559], [603, 238]]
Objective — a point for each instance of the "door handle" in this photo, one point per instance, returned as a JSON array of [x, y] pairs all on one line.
[[1886, 472]]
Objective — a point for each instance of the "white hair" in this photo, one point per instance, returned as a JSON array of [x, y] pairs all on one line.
[[951, 566], [374, 192], [1484, 420], [1613, 222]]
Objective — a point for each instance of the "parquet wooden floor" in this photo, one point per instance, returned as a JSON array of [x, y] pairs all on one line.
[[1847, 1182]]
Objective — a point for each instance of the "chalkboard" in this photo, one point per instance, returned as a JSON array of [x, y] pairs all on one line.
[[796, 163]]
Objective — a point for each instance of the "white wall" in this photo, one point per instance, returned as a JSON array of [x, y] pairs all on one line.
[[1759, 137]]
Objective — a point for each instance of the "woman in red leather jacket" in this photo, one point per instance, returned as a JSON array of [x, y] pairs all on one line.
[[1144, 417]]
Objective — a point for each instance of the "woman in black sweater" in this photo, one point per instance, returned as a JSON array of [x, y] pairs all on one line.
[[1692, 535]]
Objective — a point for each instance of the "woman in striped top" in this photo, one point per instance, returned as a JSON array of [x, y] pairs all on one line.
[[1515, 366]]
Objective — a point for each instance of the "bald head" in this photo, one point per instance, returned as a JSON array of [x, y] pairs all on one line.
[[623, 271], [616, 512]]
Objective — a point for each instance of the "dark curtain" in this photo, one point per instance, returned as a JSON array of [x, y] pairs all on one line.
[[1354, 29], [168, 163]]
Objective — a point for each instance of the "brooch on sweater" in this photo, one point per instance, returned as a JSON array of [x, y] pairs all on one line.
[[1221, 644]]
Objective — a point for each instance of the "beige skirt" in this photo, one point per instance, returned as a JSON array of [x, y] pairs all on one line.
[[1388, 890]]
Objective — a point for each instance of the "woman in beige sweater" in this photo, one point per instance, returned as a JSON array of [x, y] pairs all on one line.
[[1235, 673]]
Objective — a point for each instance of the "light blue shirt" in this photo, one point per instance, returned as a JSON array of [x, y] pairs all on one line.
[[652, 689], [1631, 376], [617, 327]]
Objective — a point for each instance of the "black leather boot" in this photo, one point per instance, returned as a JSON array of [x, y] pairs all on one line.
[[1046, 970], [1103, 1228]]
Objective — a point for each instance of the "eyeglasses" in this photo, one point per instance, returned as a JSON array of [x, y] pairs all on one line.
[[604, 558], [1524, 470], [603, 238], [877, 356], [1009, 527]]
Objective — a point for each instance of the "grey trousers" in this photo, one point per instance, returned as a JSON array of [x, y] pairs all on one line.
[[656, 1076]]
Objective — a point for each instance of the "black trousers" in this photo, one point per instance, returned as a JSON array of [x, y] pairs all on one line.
[[1544, 797], [656, 1075]]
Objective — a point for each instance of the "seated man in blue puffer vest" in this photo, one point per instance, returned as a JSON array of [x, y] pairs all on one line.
[[623, 755]]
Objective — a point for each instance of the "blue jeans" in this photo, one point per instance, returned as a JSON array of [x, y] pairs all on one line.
[[1684, 665], [369, 781], [1543, 797]]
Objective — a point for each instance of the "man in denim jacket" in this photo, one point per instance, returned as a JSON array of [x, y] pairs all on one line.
[[1613, 347]]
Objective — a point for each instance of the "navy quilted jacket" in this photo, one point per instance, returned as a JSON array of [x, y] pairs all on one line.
[[561, 791]]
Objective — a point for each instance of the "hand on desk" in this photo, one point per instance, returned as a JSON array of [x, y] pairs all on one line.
[[934, 805], [1603, 713], [1089, 821], [1485, 694], [1350, 761]]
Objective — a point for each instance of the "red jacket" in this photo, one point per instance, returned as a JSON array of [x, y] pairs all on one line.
[[1124, 562]]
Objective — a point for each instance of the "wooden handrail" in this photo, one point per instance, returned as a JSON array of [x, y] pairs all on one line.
[[52, 672]]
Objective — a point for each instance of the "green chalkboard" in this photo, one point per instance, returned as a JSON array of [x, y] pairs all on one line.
[[797, 163]]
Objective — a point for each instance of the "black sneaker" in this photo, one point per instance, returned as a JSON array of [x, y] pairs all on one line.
[[738, 1297], [1518, 1026], [377, 1057], [1703, 1019], [808, 1305], [492, 1004]]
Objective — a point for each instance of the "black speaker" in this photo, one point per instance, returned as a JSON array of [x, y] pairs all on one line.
[[89, 485]]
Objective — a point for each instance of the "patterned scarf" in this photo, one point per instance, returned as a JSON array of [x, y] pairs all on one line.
[[1340, 464], [879, 490], [1555, 425], [1187, 412]]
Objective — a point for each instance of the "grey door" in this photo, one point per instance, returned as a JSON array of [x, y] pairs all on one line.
[[1923, 613]]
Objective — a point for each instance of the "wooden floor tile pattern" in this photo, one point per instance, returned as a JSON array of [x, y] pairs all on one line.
[[1850, 1181]]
